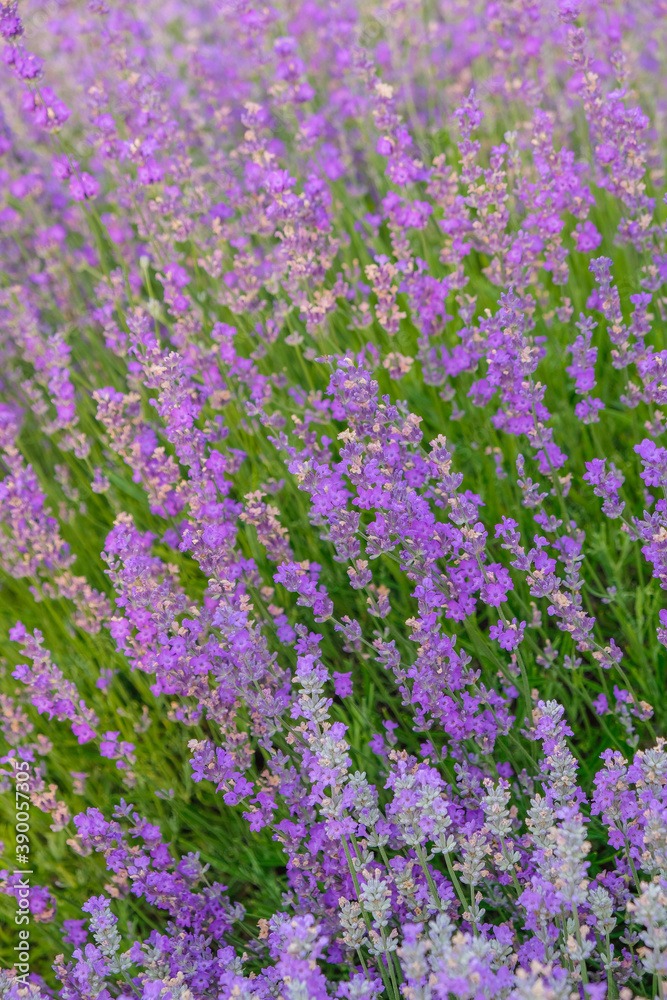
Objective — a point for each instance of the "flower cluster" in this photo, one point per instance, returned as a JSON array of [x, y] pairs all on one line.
[[332, 492]]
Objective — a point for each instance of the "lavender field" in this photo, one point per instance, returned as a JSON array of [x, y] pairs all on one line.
[[333, 500]]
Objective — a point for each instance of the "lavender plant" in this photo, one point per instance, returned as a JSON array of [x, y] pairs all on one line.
[[333, 506]]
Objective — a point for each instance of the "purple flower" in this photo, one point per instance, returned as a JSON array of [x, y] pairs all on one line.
[[586, 237], [662, 628], [83, 186], [76, 931], [606, 484], [508, 634], [342, 684]]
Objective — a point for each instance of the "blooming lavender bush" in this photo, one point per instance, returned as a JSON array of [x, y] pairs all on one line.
[[333, 505]]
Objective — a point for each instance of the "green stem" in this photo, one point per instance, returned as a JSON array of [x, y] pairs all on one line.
[[472, 904], [511, 869], [612, 988], [390, 964], [362, 961], [577, 934], [632, 866], [364, 912], [429, 878], [455, 882]]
